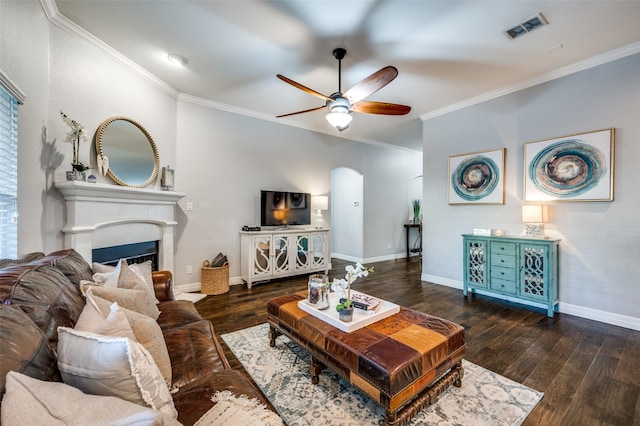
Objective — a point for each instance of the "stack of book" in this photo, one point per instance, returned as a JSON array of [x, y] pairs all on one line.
[[363, 301]]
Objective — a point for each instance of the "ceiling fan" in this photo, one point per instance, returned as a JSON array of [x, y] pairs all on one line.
[[341, 104]]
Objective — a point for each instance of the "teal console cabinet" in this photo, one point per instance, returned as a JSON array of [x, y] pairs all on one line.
[[513, 267]]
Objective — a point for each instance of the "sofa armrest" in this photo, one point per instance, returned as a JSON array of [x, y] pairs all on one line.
[[163, 285]]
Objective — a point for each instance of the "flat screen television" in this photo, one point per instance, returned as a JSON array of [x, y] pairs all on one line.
[[281, 208]]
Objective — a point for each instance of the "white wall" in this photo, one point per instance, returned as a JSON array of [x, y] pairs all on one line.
[[599, 251], [225, 159]]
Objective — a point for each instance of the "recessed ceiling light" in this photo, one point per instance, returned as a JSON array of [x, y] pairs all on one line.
[[177, 59]]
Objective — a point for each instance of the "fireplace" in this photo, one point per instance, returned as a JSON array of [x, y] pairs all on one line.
[[100, 216], [132, 253]]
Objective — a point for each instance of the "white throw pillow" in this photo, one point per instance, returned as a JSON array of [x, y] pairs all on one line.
[[101, 316], [125, 275], [136, 300], [112, 366], [29, 401], [115, 323]]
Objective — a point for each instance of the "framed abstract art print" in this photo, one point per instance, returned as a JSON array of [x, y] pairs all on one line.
[[570, 168], [477, 178]]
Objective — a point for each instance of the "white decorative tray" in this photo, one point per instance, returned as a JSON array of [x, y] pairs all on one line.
[[361, 318]]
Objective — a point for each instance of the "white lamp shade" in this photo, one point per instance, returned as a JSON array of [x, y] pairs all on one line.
[[319, 202], [535, 213], [339, 120]]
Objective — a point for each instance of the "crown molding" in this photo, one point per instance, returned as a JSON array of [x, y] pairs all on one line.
[[12, 88], [604, 58], [64, 23], [266, 117]]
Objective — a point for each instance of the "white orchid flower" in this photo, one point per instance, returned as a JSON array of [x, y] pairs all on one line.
[[76, 134], [341, 286]]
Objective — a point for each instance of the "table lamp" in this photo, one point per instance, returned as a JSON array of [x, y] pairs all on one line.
[[533, 216], [319, 203]]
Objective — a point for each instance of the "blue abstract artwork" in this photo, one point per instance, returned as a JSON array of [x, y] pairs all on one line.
[[573, 168], [477, 178]]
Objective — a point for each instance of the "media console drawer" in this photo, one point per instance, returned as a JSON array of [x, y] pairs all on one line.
[[500, 247], [503, 260]]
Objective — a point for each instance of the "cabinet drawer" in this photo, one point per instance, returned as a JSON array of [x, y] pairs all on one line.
[[498, 272], [503, 285], [503, 260], [499, 247]]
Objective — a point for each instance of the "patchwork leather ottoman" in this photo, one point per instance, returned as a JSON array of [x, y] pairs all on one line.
[[403, 362]]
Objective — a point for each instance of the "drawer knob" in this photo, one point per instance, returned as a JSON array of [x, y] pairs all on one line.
[[501, 260]]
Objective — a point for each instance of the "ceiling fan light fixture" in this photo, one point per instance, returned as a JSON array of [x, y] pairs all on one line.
[[339, 118]]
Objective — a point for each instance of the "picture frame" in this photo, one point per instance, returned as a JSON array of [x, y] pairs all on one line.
[[477, 178], [167, 180], [578, 167]]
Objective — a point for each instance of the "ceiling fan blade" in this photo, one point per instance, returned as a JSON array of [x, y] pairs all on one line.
[[301, 112], [371, 84], [303, 88], [385, 108]]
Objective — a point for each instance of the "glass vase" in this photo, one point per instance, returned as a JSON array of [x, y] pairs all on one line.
[[318, 294]]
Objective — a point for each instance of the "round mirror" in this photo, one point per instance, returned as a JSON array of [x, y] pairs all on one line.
[[130, 150]]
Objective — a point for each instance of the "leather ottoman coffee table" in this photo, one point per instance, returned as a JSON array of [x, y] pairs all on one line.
[[403, 361]]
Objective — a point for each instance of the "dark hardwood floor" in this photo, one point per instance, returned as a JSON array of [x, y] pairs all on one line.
[[588, 371]]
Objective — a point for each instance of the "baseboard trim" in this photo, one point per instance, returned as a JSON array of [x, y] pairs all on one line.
[[368, 260], [611, 318], [601, 316], [194, 287], [441, 281]]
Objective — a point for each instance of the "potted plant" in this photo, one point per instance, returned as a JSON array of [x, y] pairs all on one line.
[[416, 203], [74, 136], [354, 272]]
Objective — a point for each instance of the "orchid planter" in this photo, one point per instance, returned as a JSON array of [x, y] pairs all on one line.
[[346, 314], [75, 175]]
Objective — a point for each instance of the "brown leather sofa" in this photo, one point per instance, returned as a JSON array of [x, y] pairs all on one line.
[[40, 293]]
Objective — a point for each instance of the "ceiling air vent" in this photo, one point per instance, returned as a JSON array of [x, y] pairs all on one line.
[[526, 26]]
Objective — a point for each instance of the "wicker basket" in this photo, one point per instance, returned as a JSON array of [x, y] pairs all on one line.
[[214, 280]]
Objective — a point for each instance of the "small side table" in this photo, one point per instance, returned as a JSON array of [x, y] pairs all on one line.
[[408, 227]]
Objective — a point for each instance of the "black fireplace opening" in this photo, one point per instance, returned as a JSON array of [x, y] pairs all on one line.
[[132, 253]]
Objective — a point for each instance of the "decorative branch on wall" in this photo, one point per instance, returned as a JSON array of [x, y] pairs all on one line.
[[477, 178], [570, 168]]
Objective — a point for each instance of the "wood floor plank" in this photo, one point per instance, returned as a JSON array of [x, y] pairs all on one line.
[[589, 371]]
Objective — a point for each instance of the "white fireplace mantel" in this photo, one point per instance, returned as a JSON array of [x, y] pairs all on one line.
[[100, 215]]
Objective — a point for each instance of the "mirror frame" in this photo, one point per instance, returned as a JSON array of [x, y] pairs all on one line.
[[156, 158]]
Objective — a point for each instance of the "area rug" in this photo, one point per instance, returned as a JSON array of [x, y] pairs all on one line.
[[282, 373]]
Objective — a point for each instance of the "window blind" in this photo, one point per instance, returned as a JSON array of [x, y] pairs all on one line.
[[8, 174]]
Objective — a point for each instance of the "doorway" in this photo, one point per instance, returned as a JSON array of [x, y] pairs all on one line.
[[347, 218]]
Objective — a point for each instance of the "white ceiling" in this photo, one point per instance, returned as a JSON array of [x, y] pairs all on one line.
[[448, 53]]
